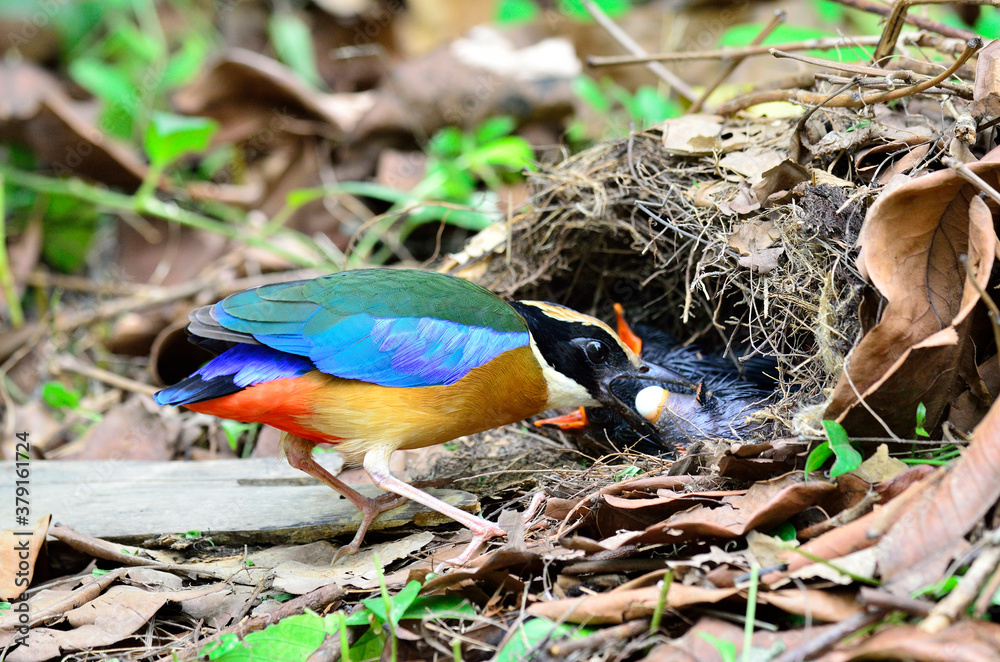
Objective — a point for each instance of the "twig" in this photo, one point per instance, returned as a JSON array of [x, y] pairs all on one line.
[[917, 21], [823, 44], [730, 65], [6, 277], [73, 364], [636, 50], [890, 76], [948, 610], [876, 597], [831, 636], [599, 640], [848, 100], [897, 17], [99, 549]]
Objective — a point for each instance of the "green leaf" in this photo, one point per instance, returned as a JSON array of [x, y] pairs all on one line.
[[97, 572], [588, 90], [169, 137], [785, 531], [628, 472], [439, 606], [575, 9], [186, 62], [234, 430], [294, 46], [68, 233], [290, 640], [848, 457], [493, 128], [58, 396], [512, 152], [533, 632], [515, 12], [105, 82], [398, 604], [368, 647], [725, 649], [446, 143], [651, 107], [817, 458], [921, 419]]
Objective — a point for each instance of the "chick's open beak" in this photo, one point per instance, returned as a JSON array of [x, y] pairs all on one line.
[[651, 372]]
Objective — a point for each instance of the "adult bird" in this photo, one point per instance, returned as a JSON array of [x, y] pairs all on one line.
[[377, 360], [715, 403]]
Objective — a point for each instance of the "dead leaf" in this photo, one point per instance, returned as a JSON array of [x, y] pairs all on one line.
[[765, 504], [621, 606], [127, 432], [692, 135], [880, 467], [910, 553], [821, 605], [60, 131], [105, 620], [18, 552], [692, 647], [966, 641], [910, 247], [986, 92], [776, 184], [753, 236]]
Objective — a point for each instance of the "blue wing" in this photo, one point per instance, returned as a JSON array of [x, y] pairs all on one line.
[[387, 327]]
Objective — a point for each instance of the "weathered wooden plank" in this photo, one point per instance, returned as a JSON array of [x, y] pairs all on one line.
[[230, 501]]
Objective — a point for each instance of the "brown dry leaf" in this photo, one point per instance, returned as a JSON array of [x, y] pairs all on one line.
[[767, 503], [109, 618], [754, 236], [18, 553], [60, 131], [473, 78], [127, 432], [910, 553], [986, 93], [692, 135], [822, 605], [776, 184], [910, 247], [966, 641], [621, 606], [244, 91], [692, 647]]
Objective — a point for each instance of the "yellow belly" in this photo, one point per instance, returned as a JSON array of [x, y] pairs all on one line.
[[362, 415]]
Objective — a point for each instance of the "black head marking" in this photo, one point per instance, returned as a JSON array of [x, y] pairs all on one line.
[[576, 345]]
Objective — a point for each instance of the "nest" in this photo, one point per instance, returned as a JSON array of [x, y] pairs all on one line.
[[631, 221]]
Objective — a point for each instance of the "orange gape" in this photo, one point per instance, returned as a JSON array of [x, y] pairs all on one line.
[[281, 403]]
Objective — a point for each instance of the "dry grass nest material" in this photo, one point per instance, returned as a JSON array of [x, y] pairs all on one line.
[[667, 235]]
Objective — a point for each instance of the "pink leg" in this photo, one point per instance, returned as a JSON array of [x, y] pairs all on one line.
[[299, 454], [377, 465]]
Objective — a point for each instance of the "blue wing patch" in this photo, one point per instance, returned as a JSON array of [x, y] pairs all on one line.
[[403, 351], [232, 371]]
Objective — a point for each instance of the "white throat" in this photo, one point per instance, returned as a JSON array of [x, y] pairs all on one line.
[[563, 391]]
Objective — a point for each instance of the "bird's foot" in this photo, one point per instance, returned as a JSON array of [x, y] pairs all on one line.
[[481, 535], [370, 510]]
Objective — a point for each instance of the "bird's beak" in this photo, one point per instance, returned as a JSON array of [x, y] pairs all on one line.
[[669, 379]]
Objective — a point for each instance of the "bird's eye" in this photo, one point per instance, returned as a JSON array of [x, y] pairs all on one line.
[[597, 351]]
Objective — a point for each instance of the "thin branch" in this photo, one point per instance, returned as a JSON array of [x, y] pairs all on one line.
[[917, 21], [636, 50], [730, 66], [897, 17], [824, 44]]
